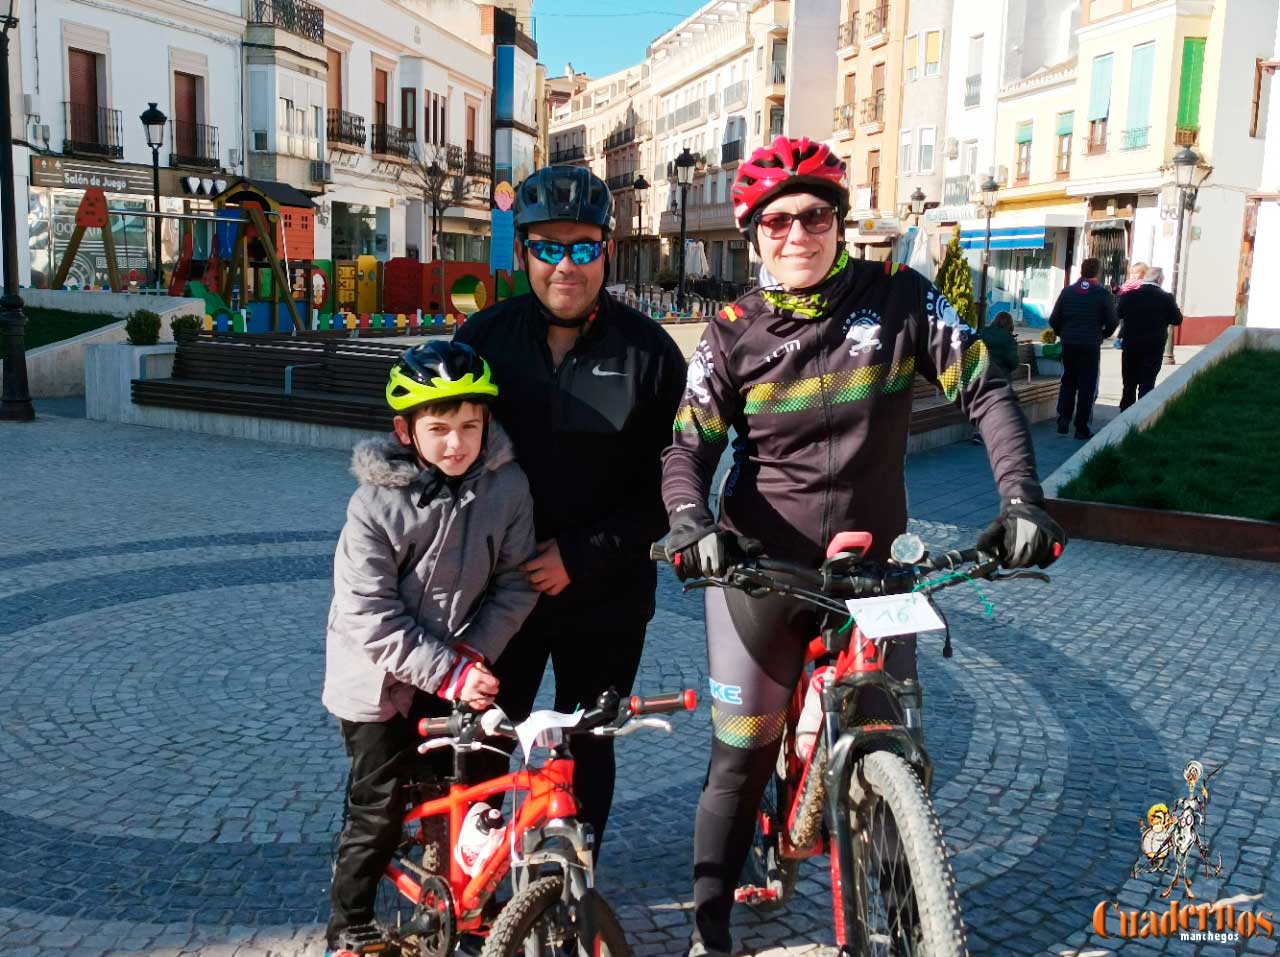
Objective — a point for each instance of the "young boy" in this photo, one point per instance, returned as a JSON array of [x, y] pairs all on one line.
[[427, 593]]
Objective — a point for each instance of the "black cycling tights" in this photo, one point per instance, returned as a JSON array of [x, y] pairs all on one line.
[[756, 649]]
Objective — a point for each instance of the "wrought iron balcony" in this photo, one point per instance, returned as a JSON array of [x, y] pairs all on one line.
[[298, 17], [566, 155], [346, 128], [872, 110], [391, 140], [1136, 139], [92, 130], [730, 152], [621, 181], [875, 21], [957, 190], [844, 119], [620, 138], [194, 144], [777, 73], [973, 90], [848, 35], [478, 164]]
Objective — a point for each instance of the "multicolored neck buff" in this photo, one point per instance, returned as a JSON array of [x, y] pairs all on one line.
[[806, 305]]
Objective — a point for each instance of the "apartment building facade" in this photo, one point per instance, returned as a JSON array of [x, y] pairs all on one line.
[[922, 122], [86, 73]]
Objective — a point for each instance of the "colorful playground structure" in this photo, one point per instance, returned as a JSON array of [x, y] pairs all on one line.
[[262, 274]]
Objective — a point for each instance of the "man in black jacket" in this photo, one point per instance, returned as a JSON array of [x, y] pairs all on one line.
[[1146, 313], [1083, 316], [589, 389]]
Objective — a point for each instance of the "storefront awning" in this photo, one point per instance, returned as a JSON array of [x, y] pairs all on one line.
[[1009, 237]]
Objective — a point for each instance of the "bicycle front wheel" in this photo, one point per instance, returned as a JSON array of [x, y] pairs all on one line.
[[907, 903], [537, 923]]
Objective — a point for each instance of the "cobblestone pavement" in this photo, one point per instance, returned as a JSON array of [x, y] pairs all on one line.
[[169, 783]]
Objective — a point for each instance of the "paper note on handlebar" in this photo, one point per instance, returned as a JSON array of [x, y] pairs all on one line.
[[531, 731], [887, 616]]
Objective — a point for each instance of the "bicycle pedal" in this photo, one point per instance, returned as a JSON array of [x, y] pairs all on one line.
[[750, 894]]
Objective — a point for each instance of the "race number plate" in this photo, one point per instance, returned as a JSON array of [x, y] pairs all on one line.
[[889, 615]]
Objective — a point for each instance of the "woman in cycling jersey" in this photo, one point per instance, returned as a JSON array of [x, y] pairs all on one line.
[[813, 373]]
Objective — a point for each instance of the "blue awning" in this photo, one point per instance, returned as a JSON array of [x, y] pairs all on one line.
[[1007, 237]]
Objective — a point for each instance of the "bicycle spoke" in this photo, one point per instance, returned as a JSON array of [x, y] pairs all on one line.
[[884, 877]]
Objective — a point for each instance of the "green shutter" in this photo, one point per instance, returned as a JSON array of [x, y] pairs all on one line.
[[1100, 91], [1192, 78], [1024, 133], [1144, 61], [1066, 123]]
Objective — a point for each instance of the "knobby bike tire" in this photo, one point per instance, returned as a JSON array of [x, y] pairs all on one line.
[[883, 777], [765, 866], [521, 916]]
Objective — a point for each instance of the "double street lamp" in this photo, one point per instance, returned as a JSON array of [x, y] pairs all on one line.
[[685, 163], [1190, 172], [153, 122], [640, 185], [988, 200], [15, 406]]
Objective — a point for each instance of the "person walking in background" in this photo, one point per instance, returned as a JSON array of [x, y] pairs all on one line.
[[1083, 316], [1145, 314]]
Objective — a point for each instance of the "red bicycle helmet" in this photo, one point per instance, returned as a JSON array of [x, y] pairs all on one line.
[[788, 166]]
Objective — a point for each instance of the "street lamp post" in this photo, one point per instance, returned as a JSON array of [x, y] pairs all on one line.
[[16, 403], [917, 204], [640, 185], [684, 176], [1190, 174], [435, 187], [989, 189], [153, 122]]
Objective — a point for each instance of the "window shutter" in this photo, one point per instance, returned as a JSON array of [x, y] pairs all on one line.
[[932, 48], [1024, 132], [1100, 91], [82, 71], [1144, 58], [910, 52], [1192, 77], [334, 81], [1066, 123]]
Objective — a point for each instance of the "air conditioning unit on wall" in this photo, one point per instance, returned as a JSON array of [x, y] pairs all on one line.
[[321, 172], [953, 148]]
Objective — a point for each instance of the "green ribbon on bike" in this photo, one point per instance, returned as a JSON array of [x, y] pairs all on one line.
[[987, 608]]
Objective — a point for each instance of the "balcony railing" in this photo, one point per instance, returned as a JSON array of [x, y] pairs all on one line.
[[844, 120], [1186, 135], [700, 217], [776, 124], [455, 158], [713, 105], [566, 155], [973, 90], [391, 140], [194, 144], [346, 128], [735, 95], [685, 114], [957, 190], [621, 181], [875, 20], [296, 16], [730, 152], [1136, 139], [478, 164], [848, 35], [93, 130], [620, 138], [872, 110], [777, 74]]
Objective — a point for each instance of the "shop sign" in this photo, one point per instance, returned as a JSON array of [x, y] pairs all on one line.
[[57, 171]]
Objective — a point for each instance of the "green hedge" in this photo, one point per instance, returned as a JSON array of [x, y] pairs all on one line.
[[1212, 451], [53, 325]]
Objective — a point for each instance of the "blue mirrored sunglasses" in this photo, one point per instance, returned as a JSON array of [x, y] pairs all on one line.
[[580, 254]]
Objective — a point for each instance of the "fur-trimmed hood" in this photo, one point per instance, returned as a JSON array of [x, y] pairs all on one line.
[[384, 461]]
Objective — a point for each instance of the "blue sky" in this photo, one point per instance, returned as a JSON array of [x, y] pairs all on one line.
[[600, 36]]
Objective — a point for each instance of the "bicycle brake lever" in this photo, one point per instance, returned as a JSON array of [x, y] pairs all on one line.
[[1036, 576], [634, 725], [435, 744]]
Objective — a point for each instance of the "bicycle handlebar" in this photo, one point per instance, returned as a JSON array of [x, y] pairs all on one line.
[[467, 724]]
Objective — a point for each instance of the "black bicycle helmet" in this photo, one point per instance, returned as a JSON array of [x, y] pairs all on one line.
[[563, 194]]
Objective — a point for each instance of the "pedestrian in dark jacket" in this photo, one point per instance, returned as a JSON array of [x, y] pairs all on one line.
[[589, 391], [1002, 344], [1146, 313], [1083, 316]]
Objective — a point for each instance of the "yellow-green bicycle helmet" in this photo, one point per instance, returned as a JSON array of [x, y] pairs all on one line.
[[437, 371]]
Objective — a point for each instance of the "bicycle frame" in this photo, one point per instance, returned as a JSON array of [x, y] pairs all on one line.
[[550, 798]]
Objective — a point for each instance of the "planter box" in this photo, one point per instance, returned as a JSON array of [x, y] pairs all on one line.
[[1179, 531], [109, 371]]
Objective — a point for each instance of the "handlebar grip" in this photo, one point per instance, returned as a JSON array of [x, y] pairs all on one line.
[[657, 552], [664, 703], [433, 727]]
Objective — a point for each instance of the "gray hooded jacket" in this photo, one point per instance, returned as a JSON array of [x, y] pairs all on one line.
[[411, 577]]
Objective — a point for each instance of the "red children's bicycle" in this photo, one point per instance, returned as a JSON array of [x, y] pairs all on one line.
[[426, 902], [853, 787]]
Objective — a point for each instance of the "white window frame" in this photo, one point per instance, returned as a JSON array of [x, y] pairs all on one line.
[[933, 149], [906, 151], [910, 74]]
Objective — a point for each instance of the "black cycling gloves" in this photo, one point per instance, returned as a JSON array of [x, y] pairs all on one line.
[[698, 550], [1024, 535]]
